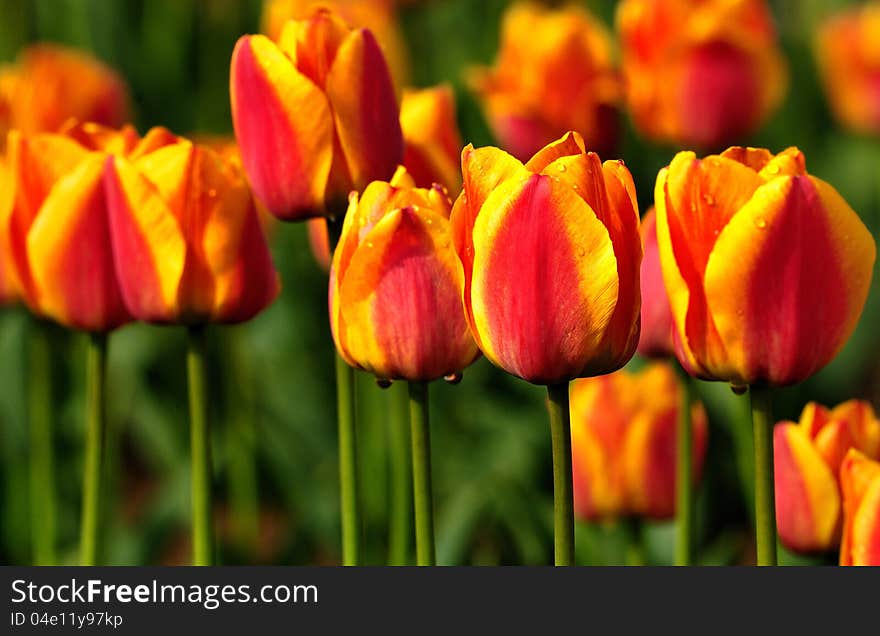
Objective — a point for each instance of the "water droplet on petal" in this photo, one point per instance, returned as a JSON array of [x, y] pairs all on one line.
[[760, 223], [582, 251], [212, 193], [562, 167], [738, 389], [453, 378], [708, 198], [383, 383], [369, 243]]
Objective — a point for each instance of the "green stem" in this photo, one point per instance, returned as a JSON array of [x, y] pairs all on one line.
[[684, 491], [634, 547], [42, 459], [563, 499], [96, 368], [420, 433], [765, 504], [401, 477], [200, 447]]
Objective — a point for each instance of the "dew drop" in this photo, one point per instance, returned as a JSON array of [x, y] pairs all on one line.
[[760, 223], [369, 243], [708, 198], [453, 378], [212, 193], [383, 383], [738, 389], [582, 251], [562, 167]]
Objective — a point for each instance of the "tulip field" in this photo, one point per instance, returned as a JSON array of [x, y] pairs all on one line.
[[446, 282]]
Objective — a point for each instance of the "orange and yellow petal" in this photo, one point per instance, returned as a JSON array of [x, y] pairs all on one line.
[[431, 138], [860, 482]]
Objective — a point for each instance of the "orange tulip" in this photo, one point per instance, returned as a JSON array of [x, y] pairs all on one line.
[[8, 291], [738, 234], [379, 16], [551, 256], [56, 218], [850, 65], [623, 441], [315, 115], [700, 72], [807, 458], [395, 285], [430, 135], [860, 478], [553, 73], [656, 337], [188, 243], [50, 84]]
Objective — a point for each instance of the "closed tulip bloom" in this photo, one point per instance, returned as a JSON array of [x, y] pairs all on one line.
[[656, 335], [56, 218], [738, 234], [808, 457], [553, 73], [50, 84], [395, 285], [860, 479], [700, 72], [850, 66], [551, 255], [187, 239], [431, 139], [315, 115], [623, 443]]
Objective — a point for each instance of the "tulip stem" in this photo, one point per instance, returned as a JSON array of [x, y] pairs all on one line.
[[563, 499], [765, 508], [42, 459], [420, 433], [401, 478], [684, 491], [96, 368], [200, 447]]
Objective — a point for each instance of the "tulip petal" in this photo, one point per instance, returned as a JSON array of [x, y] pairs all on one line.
[[284, 128], [540, 311], [569, 144], [860, 482], [365, 110], [68, 249], [769, 293], [807, 499]]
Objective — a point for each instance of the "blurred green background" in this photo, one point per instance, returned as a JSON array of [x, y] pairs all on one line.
[[273, 402]]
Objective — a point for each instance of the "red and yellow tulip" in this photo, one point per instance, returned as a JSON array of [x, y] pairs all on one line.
[[808, 457], [315, 115], [850, 64], [56, 218], [551, 255], [623, 441], [431, 139], [738, 234], [188, 242], [700, 72], [860, 481], [656, 337], [50, 84], [8, 289], [553, 73], [396, 284]]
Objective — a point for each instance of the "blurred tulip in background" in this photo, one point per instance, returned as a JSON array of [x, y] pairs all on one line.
[[656, 336], [860, 480]]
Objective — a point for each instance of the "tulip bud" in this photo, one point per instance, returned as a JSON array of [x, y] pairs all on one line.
[[623, 440], [50, 84], [699, 72], [395, 285], [738, 235], [430, 136], [860, 480], [56, 219], [807, 457], [656, 336], [553, 73], [315, 115], [551, 255], [188, 243]]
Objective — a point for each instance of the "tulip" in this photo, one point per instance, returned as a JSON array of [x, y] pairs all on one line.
[[846, 52], [551, 253], [553, 73], [50, 84], [700, 72], [656, 317], [526, 235], [807, 457], [315, 115], [738, 234], [431, 138], [396, 284], [188, 242], [379, 16], [624, 443], [8, 291], [860, 480]]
